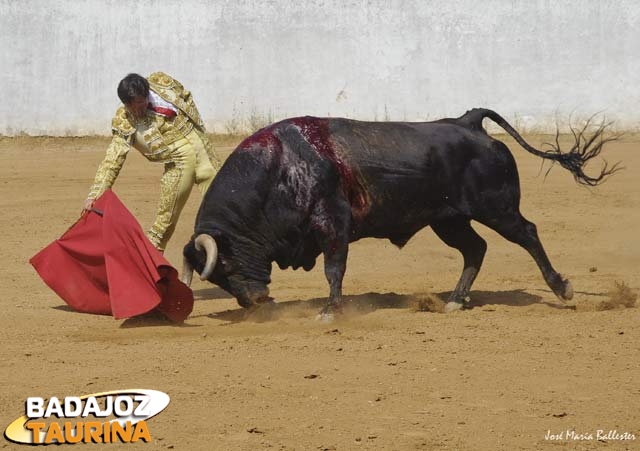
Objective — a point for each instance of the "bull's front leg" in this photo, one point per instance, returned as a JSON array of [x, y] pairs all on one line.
[[332, 232], [334, 269]]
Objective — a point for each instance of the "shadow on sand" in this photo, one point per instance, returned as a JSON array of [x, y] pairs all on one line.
[[362, 304], [513, 298]]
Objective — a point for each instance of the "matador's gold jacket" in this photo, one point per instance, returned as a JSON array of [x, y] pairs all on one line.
[[153, 135]]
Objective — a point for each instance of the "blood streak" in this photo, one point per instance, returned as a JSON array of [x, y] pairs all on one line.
[[316, 132], [264, 138]]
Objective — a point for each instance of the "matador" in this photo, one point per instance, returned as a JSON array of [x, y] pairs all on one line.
[[160, 119]]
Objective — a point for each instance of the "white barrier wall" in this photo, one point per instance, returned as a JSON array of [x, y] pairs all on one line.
[[532, 61]]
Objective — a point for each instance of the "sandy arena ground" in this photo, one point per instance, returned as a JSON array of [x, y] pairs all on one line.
[[518, 366]]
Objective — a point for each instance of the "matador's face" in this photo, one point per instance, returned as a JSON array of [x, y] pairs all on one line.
[[138, 106]]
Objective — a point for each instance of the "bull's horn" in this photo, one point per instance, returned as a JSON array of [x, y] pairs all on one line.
[[206, 242], [187, 272]]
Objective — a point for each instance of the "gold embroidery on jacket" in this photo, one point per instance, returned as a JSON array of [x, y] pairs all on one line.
[[172, 91], [121, 125]]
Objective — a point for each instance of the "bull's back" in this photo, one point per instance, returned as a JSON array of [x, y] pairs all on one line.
[[416, 173]]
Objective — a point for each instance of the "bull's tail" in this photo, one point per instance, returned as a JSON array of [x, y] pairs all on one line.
[[585, 147]]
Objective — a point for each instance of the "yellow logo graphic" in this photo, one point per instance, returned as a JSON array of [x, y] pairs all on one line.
[[131, 409]]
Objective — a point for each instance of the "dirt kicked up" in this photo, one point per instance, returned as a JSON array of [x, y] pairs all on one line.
[[520, 370]]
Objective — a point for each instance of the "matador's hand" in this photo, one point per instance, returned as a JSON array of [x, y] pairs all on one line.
[[88, 204]]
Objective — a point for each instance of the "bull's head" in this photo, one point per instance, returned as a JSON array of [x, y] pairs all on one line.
[[202, 255]]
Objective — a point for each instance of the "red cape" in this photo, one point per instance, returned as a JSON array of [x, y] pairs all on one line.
[[104, 264]]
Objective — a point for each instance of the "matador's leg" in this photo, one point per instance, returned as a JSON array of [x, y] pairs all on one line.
[[207, 163], [175, 187]]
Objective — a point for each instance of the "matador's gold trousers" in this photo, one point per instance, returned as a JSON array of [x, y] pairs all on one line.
[[191, 165]]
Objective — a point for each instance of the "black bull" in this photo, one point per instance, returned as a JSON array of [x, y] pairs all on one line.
[[306, 186]]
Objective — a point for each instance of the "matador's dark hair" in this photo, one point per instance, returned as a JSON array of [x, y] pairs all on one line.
[[132, 86]]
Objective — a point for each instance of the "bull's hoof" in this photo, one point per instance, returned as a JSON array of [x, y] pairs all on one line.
[[329, 312], [325, 317], [562, 289], [452, 306], [567, 294]]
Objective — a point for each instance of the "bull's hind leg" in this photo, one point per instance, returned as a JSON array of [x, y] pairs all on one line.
[[332, 222], [520, 231], [458, 233]]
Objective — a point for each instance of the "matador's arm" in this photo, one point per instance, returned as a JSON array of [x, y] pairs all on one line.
[[110, 167]]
